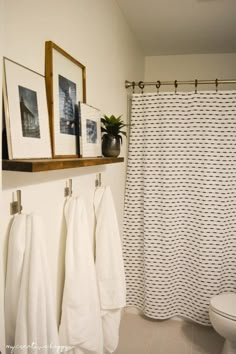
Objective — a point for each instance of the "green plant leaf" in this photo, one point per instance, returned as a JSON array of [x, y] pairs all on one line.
[[112, 125]]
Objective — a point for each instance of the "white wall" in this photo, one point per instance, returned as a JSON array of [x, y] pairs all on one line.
[[2, 337], [190, 67], [96, 34]]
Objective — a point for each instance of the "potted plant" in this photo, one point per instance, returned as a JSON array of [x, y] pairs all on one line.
[[112, 135]]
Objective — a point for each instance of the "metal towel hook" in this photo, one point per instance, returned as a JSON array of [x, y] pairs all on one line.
[[141, 85], [98, 181], [176, 85], [68, 189], [15, 206]]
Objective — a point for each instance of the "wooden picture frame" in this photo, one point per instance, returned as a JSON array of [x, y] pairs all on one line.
[[25, 112], [66, 85]]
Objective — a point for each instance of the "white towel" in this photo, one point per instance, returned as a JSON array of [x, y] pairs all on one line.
[[109, 266], [15, 257], [80, 323], [36, 325]]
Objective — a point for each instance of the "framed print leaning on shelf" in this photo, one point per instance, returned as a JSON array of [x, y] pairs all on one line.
[[26, 113], [66, 85], [90, 131]]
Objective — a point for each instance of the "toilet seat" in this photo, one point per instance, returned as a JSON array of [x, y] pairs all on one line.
[[224, 305]]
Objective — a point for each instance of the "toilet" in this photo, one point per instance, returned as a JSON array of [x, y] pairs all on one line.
[[222, 313]]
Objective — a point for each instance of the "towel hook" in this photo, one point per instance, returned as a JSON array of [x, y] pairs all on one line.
[[98, 181], [15, 206], [68, 189]]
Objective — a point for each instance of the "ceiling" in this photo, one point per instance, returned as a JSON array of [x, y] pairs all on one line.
[[168, 27]]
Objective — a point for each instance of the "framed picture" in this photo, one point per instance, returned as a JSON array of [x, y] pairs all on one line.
[[90, 131], [66, 85], [26, 113]]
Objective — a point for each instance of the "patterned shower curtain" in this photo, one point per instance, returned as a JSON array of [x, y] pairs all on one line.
[[179, 240]]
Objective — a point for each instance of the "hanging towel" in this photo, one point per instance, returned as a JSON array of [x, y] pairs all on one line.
[[109, 266], [36, 327], [81, 322], [15, 257]]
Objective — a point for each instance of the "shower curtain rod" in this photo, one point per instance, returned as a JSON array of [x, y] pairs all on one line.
[[142, 84]]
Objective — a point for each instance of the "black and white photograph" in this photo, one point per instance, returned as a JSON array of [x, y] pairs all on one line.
[[25, 113], [29, 113], [90, 139], [91, 131], [67, 106]]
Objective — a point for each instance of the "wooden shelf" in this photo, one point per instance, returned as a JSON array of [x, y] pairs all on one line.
[[39, 165]]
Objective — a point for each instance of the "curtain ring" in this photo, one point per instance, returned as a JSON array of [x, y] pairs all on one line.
[[217, 85], [176, 85], [133, 85], [196, 86], [158, 85], [141, 85]]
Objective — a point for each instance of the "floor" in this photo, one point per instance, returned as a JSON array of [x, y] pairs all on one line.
[[140, 335]]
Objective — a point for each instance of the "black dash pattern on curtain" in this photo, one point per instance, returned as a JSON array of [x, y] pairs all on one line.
[[179, 241]]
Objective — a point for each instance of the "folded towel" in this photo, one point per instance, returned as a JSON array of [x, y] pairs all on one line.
[[109, 266], [81, 322], [36, 325], [15, 258]]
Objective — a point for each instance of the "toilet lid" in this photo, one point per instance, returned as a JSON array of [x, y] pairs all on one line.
[[225, 304]]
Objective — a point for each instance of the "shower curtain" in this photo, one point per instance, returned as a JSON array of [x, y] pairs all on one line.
[[179, 242]]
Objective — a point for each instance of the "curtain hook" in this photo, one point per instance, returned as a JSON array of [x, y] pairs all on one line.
[[196, 86], [133, 85], [158, 85], [141, 85], [176, 85], [217, 83]]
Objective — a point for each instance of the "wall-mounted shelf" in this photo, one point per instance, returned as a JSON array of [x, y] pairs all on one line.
[[40, 165]]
